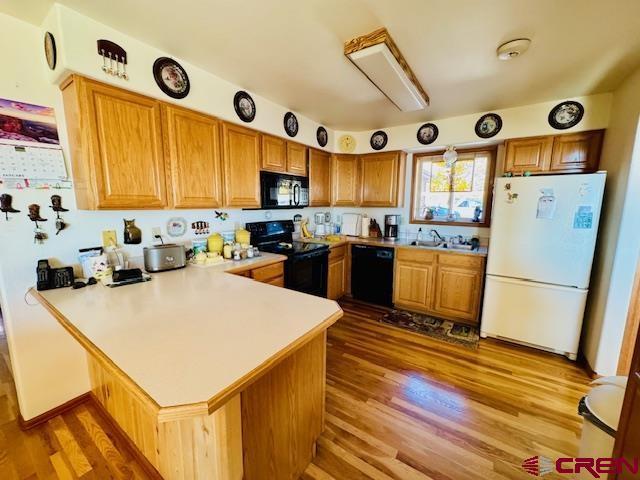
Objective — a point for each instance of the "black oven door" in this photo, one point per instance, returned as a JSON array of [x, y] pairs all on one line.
[[308, 272]]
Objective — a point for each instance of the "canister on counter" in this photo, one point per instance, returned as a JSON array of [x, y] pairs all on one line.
[[199, 245]]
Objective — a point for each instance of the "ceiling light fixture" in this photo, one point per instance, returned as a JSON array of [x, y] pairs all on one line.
[[450, 156], [513, 48], [377, 56]]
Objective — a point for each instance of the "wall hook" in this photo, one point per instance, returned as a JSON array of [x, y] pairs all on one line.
[[5, 205]]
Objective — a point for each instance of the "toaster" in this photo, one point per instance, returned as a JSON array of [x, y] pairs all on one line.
[[164, 257]]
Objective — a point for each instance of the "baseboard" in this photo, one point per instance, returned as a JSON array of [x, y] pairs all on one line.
[[124, 440], [54, 412], [584, 363]]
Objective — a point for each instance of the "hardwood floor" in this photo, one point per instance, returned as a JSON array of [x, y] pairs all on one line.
[[403, 406], [399, 406]]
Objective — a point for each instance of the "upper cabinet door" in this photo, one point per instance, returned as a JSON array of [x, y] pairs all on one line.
[[241, 158], [192, 148], [296, 159], [528, 154], [319, 178], [117, 139], [382, 179], [577, 152], [344, 173], [274, 154]]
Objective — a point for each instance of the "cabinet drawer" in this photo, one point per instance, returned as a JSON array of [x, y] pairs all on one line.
[[268, 273], [278, 281], [336, 253], [415, 255], [460, 260]]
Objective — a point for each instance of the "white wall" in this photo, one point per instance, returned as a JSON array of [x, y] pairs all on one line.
[[522, 121], [618, 244]]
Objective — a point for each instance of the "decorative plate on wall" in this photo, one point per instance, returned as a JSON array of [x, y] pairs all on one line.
[[427, 133], [50, 51], [378, 140], [290, 124], [176, 226], [171, 77], [244, 106], [566, 115], [347, 144], [488, 125], [322, 136]]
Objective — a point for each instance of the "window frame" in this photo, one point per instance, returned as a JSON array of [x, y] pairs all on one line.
[[491, 152]]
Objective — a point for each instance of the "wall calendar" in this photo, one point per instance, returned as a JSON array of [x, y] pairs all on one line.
[[27, 162]]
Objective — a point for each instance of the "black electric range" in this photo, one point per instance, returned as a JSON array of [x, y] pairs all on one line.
[[307, 264]]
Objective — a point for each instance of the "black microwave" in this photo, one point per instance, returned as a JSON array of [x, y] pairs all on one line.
[[283, 191]]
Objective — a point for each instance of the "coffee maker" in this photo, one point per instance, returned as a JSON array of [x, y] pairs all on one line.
[[391, 223]]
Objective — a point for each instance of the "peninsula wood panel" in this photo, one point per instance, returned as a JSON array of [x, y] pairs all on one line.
[[382, 179], [344, 174], [279, 435], [577, 152], [296, 159], [274, 154], [193, 158], [528, 154], [117, 150], [269, 272], [241, 159], [201, 446], [319, 178]]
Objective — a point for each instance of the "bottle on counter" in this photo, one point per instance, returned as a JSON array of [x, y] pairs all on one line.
[[227, 251]]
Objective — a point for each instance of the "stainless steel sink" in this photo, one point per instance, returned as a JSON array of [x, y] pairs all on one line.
[[427, 243], [455, 246]]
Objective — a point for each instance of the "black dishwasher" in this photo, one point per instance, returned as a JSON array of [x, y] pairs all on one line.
[[372, 274]]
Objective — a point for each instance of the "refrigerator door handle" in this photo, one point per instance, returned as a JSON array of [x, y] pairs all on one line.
[[528, 281]]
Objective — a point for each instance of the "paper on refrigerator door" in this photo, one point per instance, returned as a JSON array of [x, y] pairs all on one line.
[[546, 204], [583, 217]]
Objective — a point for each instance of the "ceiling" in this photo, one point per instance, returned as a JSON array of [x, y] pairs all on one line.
[[290, 51]]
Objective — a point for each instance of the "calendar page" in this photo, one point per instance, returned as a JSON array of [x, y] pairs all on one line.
[[26, 162]]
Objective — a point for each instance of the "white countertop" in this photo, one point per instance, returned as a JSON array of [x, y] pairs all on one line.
[[189, 334]]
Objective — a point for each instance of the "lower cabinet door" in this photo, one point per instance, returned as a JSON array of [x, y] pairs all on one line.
[[336, 285], [457, 293], [413, 286]]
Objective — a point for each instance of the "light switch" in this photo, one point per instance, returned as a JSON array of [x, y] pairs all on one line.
[[109, 238]]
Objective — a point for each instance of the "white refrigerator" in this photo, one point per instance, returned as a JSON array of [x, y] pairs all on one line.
[[543, 236]]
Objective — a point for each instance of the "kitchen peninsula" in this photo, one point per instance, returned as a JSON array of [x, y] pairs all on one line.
[[210, 375]]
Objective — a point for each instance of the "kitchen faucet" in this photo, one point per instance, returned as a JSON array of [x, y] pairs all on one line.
[[434, 234]]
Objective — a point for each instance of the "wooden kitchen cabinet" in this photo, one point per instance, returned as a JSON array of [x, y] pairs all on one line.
[[193, 158], [413, 279], [319, 178], [382, 179], [568, 153], [274, 154], [528, 154], [116, 146], [577, 152], [337, 276], [458, 287], [296, 159], [445, 285], [241, 160], [344, 180]]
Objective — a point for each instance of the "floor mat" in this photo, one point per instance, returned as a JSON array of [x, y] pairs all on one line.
[[445, 330]]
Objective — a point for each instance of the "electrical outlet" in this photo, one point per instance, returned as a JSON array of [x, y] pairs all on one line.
[[109, 238], [156, 232]]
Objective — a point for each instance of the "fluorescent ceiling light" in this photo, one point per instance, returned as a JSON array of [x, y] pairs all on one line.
[[377, 56]]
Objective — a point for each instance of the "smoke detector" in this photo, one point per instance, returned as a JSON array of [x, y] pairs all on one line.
[[513, 48]]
